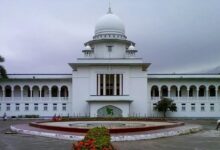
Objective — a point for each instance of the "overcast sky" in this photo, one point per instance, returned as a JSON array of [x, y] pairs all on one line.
[[43, 36]]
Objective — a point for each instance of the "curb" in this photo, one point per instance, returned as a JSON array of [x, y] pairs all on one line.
[[114, 138]]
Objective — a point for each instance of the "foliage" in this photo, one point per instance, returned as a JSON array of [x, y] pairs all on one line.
[[3, 74], [97, 138], [164, 105]]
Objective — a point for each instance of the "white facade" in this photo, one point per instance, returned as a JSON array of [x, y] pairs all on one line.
[[110, 80]]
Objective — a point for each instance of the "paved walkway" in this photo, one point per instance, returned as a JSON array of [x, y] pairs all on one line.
[[208, 139]]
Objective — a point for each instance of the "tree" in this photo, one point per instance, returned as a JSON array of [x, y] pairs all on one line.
[[164, 105], [3, 73]]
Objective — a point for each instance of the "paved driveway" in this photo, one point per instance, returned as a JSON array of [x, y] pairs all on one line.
[[209, 139]]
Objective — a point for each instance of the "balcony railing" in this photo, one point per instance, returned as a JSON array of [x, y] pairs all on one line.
[[189, 98], [34, 99]]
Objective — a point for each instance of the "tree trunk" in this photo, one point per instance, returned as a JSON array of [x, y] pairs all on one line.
[[164, 114]]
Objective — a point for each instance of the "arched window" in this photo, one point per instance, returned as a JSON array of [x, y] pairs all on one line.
[[36, 91], [173, 91], [54, 91], [164, 91], [64, 91], [183, 91], [192, 91], [45, 91], [202, 90], [154, 91], [8, 91], [26, 91], [17, 91], [212, 91]]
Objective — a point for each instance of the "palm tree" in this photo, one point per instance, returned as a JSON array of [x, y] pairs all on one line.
[[3, 73]]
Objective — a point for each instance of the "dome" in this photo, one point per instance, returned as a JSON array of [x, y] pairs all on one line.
[[87, 47], [109, 24], [131, 48]]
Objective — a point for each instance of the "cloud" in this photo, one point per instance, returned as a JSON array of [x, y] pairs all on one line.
[[42, 36]]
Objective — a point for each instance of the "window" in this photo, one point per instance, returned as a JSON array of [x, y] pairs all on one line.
[[109, 84], [26, 108], [212, 107], [54, 106], [8, 107], [17, 106], [183, 107], [193, 108], [45, 106], [64, 106], [35, 107], [202, 107]]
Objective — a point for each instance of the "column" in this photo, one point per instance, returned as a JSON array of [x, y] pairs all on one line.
[[177, 93], [216, 93], [49, 93], [104, 84], [98, 85], [40, 93], [3, 94], [159, 90], [187, 94], [115, 84], [22, 94], [169, 93], [207, 93], [121, 84], [12, 94], [58, 93], [197, 93], [31, 93]]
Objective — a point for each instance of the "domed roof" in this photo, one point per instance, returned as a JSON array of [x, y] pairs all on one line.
[[131, 48], [87, 47], [110, 24]]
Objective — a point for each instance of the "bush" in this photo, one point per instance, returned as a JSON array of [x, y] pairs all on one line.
[[31, 116], [97, 138]]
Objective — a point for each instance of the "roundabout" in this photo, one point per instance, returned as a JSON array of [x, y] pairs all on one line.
[[113, 126], [120, 130]]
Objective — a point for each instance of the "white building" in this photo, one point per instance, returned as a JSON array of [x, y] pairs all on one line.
[[110, 80]]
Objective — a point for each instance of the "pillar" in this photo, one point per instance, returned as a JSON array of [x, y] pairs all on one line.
[[187, 93], [98, 85], [115, 84], [121, 84], [58, 93], [22, 94], [12, 93], [104, 84], [169, 93], [207, 93], [3, 94], [49, 93]]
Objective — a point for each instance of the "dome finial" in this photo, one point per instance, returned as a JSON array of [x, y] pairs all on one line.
[[109, 8]]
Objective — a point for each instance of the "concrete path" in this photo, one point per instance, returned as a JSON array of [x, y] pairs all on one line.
[[208, 139]]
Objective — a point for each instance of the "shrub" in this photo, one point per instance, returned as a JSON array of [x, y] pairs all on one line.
[[97, 138], [31, 116]]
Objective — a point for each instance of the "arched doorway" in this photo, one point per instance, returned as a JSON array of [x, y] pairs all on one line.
[[109, 111]]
